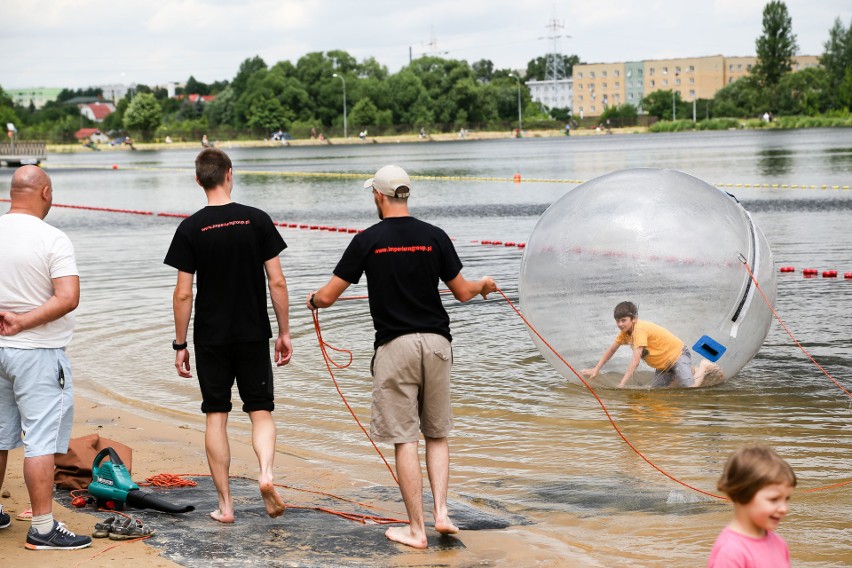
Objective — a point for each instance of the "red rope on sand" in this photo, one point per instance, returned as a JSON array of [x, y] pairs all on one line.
[[179, 480]]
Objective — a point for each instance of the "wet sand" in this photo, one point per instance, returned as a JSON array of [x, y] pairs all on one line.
[[163, 444]]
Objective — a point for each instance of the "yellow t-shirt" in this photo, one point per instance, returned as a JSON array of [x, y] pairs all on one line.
[[662, 347]]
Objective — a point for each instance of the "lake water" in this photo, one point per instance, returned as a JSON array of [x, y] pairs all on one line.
[[526, 442]]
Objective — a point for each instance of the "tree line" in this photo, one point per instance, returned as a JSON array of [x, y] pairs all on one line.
[[435, 94]]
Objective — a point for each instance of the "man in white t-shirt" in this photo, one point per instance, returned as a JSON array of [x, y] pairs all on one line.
[[39, 288]]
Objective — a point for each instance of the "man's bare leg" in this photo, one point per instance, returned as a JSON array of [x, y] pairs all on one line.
[[219, 460], [38, 476], [438, 467], [263, 442], [411, 486]]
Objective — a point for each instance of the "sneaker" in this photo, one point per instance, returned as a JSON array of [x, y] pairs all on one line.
[[59, 538], [5, 519]]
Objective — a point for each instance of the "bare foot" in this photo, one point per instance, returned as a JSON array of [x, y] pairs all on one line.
[[445, 526], [218, 515], [274, 504], [403, 535]]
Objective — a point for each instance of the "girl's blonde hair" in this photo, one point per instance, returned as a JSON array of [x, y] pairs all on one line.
[[752, 468]]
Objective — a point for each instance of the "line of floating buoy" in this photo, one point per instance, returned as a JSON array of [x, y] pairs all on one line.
[[332, 229], [516, 178], [813, 272], [105, 209]]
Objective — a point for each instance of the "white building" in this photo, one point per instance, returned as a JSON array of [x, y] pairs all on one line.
[[553, 94]]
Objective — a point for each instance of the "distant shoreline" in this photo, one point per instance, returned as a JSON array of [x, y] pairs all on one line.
[[352, 140]]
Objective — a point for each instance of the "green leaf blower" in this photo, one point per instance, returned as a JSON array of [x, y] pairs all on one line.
[[111, 482]]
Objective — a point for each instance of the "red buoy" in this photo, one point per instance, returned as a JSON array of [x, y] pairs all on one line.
[[810, 272], [847, 275], [788, 269], [517, 178], [829, 274], [115, 166]]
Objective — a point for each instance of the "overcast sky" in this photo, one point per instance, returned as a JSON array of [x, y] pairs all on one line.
[[81, 43]]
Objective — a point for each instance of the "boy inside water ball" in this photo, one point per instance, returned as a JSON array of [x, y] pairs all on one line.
[[660, 349]]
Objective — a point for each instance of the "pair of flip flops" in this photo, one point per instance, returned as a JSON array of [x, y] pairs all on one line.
[[118, 528]]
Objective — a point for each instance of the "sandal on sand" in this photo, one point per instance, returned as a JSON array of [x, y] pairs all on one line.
[[25, 515], [130, 528], [103, 528]]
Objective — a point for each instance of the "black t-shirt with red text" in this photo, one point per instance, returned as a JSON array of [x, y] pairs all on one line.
[[403, 258], [227, 245]]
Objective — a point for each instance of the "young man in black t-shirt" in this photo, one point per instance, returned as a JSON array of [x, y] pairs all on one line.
[[403, 259], [234, 249]]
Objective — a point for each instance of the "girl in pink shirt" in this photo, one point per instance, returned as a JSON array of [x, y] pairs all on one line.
[[760, 484]]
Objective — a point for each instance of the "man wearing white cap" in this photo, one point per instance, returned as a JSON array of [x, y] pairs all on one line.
[[403, 259]]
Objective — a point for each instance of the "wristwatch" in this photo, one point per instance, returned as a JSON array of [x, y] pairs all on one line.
[[178, 346]]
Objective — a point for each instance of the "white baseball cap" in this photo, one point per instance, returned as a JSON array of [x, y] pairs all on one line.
[[391, 181]]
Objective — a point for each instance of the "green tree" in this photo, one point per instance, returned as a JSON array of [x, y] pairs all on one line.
[[247, 68], [804, 92], [363, 113], [268, 114], [837, 62], [659, 104], [192, 87], [143, 115], [776, 47], [410, 104], [483, 70], [739, 99], [7, 110], [220, 111]]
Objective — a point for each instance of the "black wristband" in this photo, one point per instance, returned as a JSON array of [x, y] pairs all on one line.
[[178, 346], [311, 301]]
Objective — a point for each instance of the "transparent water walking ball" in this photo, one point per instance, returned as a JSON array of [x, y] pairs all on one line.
[[668, 242]]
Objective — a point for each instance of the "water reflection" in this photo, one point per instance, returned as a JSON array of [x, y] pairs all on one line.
[[775, 162]]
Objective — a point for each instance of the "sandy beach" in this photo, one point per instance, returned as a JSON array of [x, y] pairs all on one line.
[[162, 444]]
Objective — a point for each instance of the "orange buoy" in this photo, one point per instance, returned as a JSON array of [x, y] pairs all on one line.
[[517, 178]]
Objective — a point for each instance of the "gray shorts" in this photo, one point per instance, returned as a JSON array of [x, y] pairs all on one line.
[[680, 370], [411, 388], [36, 400]]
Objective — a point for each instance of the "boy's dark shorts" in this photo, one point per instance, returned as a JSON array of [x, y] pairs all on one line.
[[248, 363]]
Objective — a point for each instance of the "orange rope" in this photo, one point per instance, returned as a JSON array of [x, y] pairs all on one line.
[[328, 363], [167, 480], [603, 406], [796, 341]]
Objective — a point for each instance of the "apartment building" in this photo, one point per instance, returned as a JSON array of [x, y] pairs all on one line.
[[600, 85]]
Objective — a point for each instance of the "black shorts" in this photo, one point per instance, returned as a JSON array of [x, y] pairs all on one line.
[[217, 366]]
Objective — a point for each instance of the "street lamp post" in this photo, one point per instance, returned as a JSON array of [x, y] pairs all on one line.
[[518, 79], [673, 105], [345, 132]]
